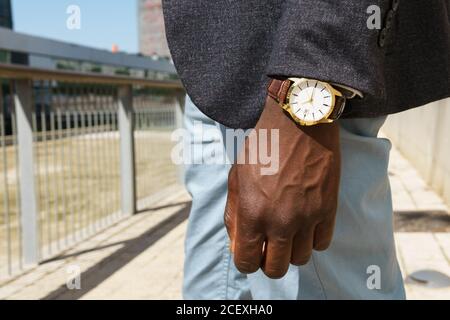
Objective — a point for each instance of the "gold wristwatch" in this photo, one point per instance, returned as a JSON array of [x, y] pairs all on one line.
[[310, 102]]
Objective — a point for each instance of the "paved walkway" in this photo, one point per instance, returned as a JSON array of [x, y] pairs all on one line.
[[141, 257], [422, 222]]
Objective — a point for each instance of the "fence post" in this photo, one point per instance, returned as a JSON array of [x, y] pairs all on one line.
[[179, 110], [127, 156], [180, 101], [23, 103]]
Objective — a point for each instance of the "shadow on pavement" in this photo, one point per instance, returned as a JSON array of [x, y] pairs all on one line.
[[98, 273], [422, 221], [429, 278]]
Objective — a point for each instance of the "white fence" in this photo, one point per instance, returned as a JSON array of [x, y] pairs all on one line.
[[74, 159], [423, 136]]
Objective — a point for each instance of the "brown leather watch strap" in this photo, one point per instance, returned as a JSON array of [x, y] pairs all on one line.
[[278, 89], [339, 106]]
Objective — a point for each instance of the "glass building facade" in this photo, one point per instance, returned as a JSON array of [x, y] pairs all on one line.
[[6, 14]]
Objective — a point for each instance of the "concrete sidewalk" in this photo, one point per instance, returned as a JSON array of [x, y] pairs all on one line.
[[422, 223], [142, 257], [138, 258]]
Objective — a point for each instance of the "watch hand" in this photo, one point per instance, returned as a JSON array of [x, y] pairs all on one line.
[[310, 99], [312, 92], [305, 101]]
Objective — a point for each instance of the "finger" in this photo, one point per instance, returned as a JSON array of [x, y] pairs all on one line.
[[323, 234], [231, 204], [277, 256], [248, 250], [230, 223], [302, 246]]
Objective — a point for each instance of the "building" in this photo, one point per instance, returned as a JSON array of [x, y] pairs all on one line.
[[152, 34], [6, 14], [6, 21]]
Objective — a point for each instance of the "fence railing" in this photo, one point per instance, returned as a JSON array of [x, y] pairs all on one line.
[[76, 153]]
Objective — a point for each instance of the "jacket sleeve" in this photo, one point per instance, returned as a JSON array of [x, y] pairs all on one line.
[[330, 40]]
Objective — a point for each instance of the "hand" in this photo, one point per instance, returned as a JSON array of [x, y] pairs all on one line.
[[276, 220]]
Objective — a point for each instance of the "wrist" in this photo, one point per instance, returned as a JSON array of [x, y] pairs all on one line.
[[324, 136], [310, 102]]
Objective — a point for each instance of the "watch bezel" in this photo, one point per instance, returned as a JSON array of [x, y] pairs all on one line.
[[296, 83]]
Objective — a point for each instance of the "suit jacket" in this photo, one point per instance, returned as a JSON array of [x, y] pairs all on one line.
[[226, 50]]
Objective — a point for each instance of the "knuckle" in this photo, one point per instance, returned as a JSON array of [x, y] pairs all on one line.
[[282, 241], [253, 207], [251, 221], [281, 223], [252, 241]]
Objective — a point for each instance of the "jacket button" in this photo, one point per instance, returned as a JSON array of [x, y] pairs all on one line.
[[395, 4], [389, 19], [382, 39]]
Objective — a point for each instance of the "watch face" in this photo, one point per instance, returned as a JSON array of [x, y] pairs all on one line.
[[311, 101]]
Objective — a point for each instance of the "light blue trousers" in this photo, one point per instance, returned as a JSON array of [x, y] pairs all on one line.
[[361, 262]]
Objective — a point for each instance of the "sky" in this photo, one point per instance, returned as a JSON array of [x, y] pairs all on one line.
[[103, 22]]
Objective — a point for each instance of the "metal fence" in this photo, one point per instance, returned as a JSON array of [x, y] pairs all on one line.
[[152, 139], [76, 155]]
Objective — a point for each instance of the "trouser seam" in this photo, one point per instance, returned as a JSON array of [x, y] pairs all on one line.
[[316, 270], [225, 272]]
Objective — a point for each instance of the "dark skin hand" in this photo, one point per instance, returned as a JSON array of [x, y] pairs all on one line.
[[275, 220]]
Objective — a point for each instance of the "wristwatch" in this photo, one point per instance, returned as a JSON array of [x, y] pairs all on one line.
[[310, 102]]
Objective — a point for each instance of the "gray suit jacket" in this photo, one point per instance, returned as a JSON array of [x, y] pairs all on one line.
[[225, 51]]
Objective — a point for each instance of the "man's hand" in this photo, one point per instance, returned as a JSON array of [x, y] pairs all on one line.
[[276, 220]]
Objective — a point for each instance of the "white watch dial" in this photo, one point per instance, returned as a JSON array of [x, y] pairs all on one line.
[[311, 101]]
